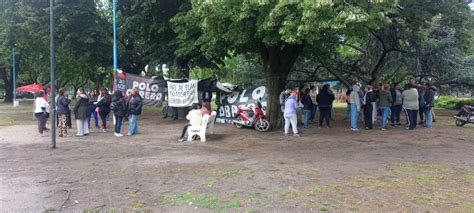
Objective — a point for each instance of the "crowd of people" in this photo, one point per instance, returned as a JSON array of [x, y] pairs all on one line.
[[89, 105], [299, 105]]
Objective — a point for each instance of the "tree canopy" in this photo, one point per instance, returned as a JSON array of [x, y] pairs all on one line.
[[275, 40]]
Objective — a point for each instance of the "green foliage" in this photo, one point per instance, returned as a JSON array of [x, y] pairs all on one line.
[[450, 102]]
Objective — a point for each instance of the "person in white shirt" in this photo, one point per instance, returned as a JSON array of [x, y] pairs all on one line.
[[41, 112], [195, 117]]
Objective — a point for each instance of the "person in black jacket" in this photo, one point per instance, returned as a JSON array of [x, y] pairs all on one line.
[[307, 107], [103, 103], [134, 109], [119, 108], [325, 99], [62, 106], [369, 98], [82, 113]]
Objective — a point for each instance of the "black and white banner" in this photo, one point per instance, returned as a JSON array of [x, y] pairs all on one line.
[[182, 94], [151, 90], [228, 103]]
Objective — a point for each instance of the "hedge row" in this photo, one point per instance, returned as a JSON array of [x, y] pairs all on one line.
[[449, 102]]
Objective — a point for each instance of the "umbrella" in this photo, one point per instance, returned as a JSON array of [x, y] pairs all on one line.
[[30, 88]]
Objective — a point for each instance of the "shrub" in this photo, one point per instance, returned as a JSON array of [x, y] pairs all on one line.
[[450, 102]]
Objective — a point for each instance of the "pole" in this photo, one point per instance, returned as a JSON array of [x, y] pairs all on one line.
[[14, 77], [53, 89], [115, 38], [115, 49]]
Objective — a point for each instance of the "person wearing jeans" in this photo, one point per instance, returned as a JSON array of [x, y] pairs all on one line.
[[134, 109], [396, 108], [119, 108], [410, 105], [290, 115], [307, 107], [385, 101], [93, 112], [354, 100]]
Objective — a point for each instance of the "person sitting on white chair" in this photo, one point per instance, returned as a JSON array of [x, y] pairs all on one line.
[[195, 118]]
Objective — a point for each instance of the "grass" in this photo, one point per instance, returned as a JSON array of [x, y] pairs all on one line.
[[227, 173], [47, 209], [315, 190], [208, 201], [324, 207]]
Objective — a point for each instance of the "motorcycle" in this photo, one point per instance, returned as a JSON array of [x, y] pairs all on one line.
[[466, 115], [248, 117]]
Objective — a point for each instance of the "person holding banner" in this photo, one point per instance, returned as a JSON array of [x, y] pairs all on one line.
[[134, 109]]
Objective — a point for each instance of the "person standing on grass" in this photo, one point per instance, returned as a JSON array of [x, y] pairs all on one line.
[[313, 94], [396, 108], [410, 105], [307, 107], [62, 107], [354, 102], [103, 103], [134, 109], [324, 100], [291, 105], [195, 117], [82, 113], [41, 113], [385, 102], [92, 110], [369, 98], [119, 109], [428, 107]]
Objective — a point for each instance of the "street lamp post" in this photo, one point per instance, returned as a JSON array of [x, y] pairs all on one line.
[[15, 104], [53, 89]]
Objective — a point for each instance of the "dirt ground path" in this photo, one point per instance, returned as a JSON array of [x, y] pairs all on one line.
[[238, 170]]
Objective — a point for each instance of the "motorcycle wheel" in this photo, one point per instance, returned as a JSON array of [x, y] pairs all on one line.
[[460, 122], [236, 125], [262, 125]]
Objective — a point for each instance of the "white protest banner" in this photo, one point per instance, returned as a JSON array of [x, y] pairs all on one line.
[[182, 94]]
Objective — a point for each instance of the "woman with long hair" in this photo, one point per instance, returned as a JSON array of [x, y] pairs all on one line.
[[103, 104]]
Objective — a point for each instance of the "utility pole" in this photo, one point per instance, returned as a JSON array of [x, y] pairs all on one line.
[[52, 108]]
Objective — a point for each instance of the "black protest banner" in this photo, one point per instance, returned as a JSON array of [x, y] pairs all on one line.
[[228, 103], [151, 90]]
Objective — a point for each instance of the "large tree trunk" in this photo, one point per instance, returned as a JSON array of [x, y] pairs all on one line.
[[277, 61], [8, 82]]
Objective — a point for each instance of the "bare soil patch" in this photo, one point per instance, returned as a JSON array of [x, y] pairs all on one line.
[[237, 170]]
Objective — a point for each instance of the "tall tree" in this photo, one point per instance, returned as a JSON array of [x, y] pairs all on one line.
[[279, 31]]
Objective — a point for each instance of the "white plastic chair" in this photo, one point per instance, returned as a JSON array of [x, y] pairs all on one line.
[[199, 130], [210, 123]]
